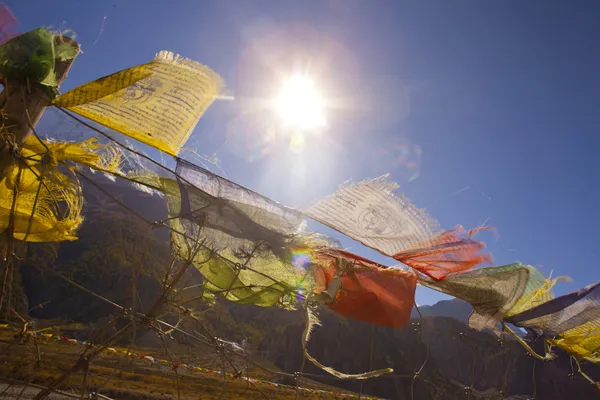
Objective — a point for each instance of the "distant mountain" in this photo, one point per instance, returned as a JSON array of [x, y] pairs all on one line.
[[109, 249], [454, 308], [457, 309]]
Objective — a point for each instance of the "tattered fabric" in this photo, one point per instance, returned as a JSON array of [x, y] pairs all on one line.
[[30, 208], [491, 291], [446, 254], [582, 341], [358, 288], [38, 201], [537, 291], [372, 214], [249, 244], [563, 313], [158, 103]]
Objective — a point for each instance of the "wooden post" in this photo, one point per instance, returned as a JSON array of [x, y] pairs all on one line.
[[21, 107], [17, 100]]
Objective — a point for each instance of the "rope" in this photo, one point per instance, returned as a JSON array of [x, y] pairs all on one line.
[[528, 348], [426, 343]]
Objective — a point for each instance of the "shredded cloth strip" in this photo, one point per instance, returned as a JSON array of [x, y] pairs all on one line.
[[446, 254], [248, 248], [39, 202]]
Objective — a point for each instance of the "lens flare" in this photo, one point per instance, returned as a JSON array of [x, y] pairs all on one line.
[[301, 259], [301, 262], [300, 105]]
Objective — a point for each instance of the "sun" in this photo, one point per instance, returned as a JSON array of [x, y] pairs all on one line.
[[300, 104]]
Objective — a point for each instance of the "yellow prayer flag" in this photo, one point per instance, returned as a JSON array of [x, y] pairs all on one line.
[[583, 341], [158, 103]]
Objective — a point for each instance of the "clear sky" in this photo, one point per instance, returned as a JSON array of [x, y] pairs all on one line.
[[483, 111]]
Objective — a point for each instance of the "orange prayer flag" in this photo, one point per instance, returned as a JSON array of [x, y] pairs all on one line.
[[364, 290]]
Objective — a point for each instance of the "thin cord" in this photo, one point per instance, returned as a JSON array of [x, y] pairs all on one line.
[[416, 375]]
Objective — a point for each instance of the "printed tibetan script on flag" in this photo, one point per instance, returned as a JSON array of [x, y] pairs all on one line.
[[370, 213], [158, 103]]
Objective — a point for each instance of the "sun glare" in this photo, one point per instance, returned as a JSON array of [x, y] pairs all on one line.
[[300, 105]]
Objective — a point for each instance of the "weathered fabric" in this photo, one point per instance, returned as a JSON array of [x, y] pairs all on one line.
[[31, 208], [562, 313], [40, 201], [252, 215], [491, 291], [252, 251], [372, 214], [358, 288], [582, 341], [537, 291], [158, 103], [446, 254]]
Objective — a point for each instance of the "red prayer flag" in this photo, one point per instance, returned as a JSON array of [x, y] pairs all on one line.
[[446, 254], [369, 291]]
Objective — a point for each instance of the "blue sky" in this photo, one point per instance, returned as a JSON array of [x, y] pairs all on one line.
[[497, 103]]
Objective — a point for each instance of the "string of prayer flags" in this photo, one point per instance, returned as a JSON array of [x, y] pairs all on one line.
[[133, 356], [158, 103]]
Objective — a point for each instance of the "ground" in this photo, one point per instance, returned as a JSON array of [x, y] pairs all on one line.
[[122, 378]]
